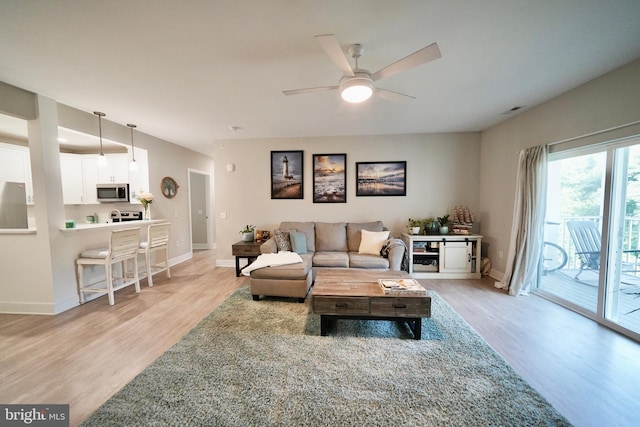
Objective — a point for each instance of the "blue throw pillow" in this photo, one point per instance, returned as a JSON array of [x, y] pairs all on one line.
[[298, 242]]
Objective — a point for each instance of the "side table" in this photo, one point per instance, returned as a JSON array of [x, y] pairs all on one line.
[[248, 250]]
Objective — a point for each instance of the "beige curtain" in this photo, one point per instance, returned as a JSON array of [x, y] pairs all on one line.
[[527, 229]]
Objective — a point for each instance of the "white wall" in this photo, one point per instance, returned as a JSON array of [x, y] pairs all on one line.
[[609, 101], [442, 172]]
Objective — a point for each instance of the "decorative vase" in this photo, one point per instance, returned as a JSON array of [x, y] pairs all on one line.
[[444, 229], [147, 213], [434, 227], [248, 237], [415, 230]]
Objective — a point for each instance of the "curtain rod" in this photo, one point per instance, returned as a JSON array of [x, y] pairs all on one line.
[[596, 133]]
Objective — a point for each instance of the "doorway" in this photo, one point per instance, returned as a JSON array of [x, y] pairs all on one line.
[[200, 209]]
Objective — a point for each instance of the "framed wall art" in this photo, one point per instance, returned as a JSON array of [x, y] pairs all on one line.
[[329, 178], [287, 175], [381, 178]]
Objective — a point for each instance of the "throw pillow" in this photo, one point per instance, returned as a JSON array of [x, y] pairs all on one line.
[[283, 241], [371, 241], [298, 242]]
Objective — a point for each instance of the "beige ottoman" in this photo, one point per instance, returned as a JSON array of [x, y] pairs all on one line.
[[293, 280]]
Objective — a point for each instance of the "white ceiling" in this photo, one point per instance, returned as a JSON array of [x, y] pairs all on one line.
[[186, 71]]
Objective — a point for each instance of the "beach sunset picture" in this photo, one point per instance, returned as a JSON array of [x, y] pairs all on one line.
[[329, 178], [381, 178]]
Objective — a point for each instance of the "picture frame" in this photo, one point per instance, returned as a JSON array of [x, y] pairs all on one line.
[[330, 178], [287, 174], [381, 178]]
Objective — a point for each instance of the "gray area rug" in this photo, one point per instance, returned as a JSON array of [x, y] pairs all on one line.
[[264, 364]]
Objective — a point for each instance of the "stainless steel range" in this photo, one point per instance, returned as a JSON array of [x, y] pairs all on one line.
[[123, 216]]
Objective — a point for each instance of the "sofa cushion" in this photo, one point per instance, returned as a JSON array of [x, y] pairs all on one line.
[[296, 271], [372, 241], [331, 259], [353, 232], [298, 242], [283, 241], [357, 260], [308, 228], [331, 236]]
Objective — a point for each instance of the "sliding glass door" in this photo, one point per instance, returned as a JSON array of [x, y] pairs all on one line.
[[575, 195], [591, 256]]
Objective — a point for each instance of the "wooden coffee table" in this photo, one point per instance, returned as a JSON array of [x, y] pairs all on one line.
[[356, 294]]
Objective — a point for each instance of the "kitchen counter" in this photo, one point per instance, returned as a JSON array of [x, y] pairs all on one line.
[[18, 230], [80, 228]]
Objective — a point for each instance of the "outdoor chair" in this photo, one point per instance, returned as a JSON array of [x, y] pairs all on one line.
[[586, 238]]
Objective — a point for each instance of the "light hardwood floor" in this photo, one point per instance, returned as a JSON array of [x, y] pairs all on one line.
[[83, 356]]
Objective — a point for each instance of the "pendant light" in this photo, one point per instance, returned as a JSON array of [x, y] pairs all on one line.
[[133, 166], [102, 160]]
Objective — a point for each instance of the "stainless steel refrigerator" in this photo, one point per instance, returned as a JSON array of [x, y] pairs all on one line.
[[13, 205]]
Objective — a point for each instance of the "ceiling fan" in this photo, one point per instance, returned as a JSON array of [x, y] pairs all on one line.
[[357, 84]]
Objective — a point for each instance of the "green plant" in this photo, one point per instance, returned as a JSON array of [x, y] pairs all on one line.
[[415, 223], [443, 220], [248, 229]]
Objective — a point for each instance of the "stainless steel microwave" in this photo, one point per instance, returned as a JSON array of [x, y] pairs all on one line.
[[109, 193]]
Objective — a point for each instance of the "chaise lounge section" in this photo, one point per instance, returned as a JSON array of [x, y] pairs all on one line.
[[353, 245]]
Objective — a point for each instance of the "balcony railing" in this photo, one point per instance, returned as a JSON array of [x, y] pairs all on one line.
[[556, 231]]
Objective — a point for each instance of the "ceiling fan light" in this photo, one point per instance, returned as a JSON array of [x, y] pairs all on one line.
[[356, 94], [356, 89]]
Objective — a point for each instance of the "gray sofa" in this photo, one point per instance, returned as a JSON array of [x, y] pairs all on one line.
[[328, 245]]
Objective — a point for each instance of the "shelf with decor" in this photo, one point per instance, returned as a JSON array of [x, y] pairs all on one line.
[[451, 256]]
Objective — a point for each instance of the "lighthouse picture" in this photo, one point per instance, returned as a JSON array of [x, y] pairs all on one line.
[[287, 175]]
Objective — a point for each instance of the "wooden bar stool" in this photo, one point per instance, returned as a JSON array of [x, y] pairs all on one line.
[[157, 241], [123, 246]]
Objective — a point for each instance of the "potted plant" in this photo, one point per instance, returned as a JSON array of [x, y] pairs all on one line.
[[414, 226], [430, 226], [248, 233], [444, 224]]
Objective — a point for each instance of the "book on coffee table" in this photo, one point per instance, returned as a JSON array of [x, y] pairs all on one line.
[[408, 287]]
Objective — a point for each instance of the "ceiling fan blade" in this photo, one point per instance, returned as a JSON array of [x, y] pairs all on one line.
[[330, 44], [309, 90], [420, 57], [390, 95]]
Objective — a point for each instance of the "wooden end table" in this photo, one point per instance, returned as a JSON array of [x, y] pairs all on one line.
[[248, 250], [355, 294]]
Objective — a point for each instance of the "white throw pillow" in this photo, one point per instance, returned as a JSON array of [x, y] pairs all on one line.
[[372, 241]]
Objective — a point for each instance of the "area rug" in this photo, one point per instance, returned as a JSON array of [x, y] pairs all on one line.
[[263, 363]]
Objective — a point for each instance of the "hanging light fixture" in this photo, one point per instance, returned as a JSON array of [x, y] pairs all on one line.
[[102, 160], [133, 166]]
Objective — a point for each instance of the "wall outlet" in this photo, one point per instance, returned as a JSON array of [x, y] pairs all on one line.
[[178, 243], [500, 254], [223, 215]]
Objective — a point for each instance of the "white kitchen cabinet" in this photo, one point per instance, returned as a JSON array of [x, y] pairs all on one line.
[[72, 182], [15, 166], [89, 179], [451, 256], [117, 170]]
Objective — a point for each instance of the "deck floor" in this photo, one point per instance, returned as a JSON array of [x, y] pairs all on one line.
[[584, 293]]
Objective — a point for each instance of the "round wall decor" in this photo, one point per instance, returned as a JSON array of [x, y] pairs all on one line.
[[169, 187]]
